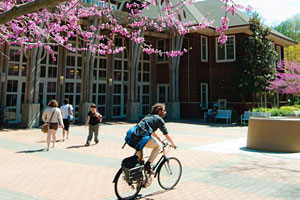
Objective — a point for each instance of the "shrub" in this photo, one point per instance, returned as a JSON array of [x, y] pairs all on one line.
[[282, 111]]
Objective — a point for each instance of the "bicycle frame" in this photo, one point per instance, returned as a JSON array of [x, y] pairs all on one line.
[[158, 165], [143, 179]]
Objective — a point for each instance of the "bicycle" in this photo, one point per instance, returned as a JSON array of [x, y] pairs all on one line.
[[129, 182]]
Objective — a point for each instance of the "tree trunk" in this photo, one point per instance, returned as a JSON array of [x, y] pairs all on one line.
[[26, 8]]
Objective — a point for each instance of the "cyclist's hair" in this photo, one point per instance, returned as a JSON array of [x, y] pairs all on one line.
[[157, 107]]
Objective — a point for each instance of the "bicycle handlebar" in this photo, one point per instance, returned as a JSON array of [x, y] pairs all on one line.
[[166, 143]]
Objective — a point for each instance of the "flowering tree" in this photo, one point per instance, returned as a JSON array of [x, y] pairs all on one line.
[[48, 23], [287, 79]]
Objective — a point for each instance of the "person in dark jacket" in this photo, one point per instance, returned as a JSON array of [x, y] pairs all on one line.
[[148, 125]]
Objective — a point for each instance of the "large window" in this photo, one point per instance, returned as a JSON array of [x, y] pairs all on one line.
[[120, 81], [144, 84], [225, 52], [15, 87], [73, 76], [204, 95], [162, 46], [48, 78], [204, 49], [100, 3], [99, 83]]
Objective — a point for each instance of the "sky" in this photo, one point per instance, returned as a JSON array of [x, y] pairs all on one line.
[[273, 12]]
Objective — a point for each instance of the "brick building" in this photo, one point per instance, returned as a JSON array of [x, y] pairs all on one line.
[[127, 84]]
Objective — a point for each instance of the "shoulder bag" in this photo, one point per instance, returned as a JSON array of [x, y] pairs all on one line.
[[45, 126], [70, 117]]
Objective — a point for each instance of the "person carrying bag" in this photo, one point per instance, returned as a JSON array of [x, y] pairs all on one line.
[[67, 116], [144, 134], [52, 116], [45, 126]]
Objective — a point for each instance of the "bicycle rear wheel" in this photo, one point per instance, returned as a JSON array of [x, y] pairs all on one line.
[[169, 173], [123, 190]]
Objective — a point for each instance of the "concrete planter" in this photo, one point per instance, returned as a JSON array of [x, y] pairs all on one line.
[[276, 134]]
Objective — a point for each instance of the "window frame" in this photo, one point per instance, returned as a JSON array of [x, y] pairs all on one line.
[[206, 92], [225, 46], [165, 48], [279, 53], [206, 49]]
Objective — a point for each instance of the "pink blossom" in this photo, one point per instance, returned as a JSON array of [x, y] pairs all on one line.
[[62, 23], [222, 38]]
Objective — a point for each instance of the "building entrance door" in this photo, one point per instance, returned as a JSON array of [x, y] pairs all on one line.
[[48, 79], [47, 92], [15, 87], [15, 93], [120, 82], [99, 93], [144, 70], [163, 93]]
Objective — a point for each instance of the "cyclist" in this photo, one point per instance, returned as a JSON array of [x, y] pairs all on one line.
[[148, 125]]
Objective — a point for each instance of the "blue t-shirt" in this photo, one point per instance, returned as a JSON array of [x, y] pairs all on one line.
[[150, 124]]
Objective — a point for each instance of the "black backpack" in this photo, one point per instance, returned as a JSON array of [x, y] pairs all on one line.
[[130, 162]]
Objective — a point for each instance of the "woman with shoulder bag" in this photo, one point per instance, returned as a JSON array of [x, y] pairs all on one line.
[[52, 116]]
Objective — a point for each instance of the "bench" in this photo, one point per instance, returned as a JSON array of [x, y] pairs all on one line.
[[297, 112], [247, 114], [221, 114]]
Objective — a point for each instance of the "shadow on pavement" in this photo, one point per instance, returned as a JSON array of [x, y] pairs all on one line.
[[268, 152], [78, 146], [32, 151], [44, 141], [151, 196]]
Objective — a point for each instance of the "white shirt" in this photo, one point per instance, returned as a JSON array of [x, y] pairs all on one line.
[[56, 118], [65, 110]]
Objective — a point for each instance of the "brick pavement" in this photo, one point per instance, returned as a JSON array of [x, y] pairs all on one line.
[[216, 165]]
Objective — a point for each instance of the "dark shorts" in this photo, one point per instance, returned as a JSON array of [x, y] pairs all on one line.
[[66, 124], [53, 126]]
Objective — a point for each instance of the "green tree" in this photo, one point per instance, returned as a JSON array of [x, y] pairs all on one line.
[[256, 61], [291, 29]]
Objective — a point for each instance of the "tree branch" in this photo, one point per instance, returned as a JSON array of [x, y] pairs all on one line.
[[26, 8]]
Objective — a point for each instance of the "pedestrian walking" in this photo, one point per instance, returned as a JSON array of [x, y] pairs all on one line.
[[66, 110], [94, 118], [52, 116]]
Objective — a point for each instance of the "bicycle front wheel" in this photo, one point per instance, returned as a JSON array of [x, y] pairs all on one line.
[[123, 190], [169, 173]]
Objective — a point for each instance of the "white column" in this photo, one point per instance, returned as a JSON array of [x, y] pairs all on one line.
[[133, 104], [174, 104]]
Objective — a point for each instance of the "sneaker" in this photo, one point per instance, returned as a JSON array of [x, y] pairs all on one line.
[[97, 142], [148, 168], [87, 144]]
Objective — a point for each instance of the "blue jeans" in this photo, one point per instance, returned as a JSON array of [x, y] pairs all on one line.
[[93, 129]]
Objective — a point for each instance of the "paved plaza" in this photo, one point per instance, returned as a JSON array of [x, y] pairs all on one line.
[[216, 165]]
